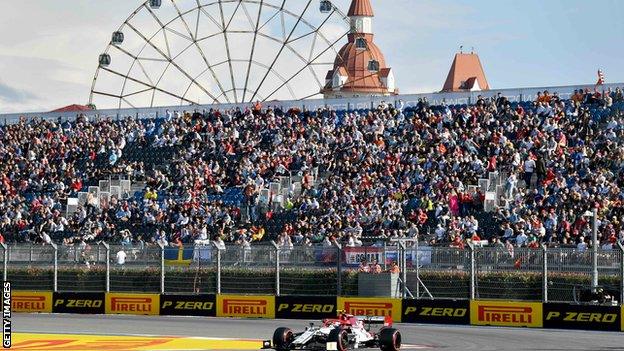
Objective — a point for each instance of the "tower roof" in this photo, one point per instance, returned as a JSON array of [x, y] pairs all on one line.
[[361, 8], [465, 71]]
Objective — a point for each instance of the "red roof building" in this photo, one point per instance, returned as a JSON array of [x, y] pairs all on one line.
[[466, 74], [360, 67], [73, 108]]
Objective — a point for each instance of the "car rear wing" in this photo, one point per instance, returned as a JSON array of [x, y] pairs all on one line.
[[386, 321]]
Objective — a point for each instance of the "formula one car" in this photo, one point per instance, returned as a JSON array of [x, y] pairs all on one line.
[[347, 332]]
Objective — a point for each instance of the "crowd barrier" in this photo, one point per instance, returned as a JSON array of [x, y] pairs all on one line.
[[457, 312]]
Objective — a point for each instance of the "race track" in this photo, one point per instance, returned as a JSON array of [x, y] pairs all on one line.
[[415, 336]]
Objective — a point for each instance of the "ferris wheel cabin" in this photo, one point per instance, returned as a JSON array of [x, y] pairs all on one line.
[[118, 38], [105, 60], [326, 6], [155, 3]]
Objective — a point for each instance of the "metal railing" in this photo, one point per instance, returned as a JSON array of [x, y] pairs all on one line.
[[541, 274], [367, 102]]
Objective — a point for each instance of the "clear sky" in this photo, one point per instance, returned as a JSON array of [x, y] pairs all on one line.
[[49, 49]]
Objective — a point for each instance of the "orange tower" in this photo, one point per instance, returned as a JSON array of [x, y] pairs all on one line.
[[466, 74], [360, 67]]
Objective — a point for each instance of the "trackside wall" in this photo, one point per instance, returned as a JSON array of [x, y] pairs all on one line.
[[459, 312]]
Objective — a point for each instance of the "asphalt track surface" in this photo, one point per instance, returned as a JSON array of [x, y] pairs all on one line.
[[415, 336]]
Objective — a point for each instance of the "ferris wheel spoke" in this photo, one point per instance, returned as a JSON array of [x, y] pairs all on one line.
[[145, 72], [127, 102], [335, 11], [231, 90], [137, 60], [186, 26], [173, 31], [304, 67], [190, 84], [252, 25], [253, 49], [281, 49], [171, 61], [227, 48], [203, 10], [278, 75], [279, 9], [313, 46], [238, 5], [145, 84], [162, 26], [137, 92], [199, 49], [197, 21], [314, 30]]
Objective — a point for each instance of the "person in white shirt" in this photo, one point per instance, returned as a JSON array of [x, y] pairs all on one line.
[[46, 238], [440, 232], [581, 246], [521, 239], [529, 168], [121, 257], [510, 185], [219, 243]]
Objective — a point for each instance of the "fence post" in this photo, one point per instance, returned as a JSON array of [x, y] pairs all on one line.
[[107, 265], [544, 273], [277, 268], [218, 267], [55, 266], [5, 261], [595, 249], [339, 268], [417, 266], [471, 250], [402, 254], [621, 247], [162, 268]]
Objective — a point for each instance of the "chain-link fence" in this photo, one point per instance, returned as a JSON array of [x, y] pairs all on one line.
[[31, 267], [441, 273], [135, 269], [82, 268], [308, 270], [501, 273], [530, 274], [248, 270], [570, 272], [191, 270]]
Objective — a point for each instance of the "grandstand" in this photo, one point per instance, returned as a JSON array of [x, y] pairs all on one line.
[[517, 166]]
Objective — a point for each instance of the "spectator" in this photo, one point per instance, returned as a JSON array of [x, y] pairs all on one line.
[[121, 257]]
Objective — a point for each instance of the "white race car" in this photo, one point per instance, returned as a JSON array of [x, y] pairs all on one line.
[[347, 332]]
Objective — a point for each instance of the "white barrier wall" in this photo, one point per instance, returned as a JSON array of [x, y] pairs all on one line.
[[514, 95]]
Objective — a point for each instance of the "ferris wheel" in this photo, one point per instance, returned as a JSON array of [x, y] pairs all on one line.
[[187, 52]]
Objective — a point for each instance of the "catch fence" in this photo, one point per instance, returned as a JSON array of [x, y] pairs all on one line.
[[540, 274]]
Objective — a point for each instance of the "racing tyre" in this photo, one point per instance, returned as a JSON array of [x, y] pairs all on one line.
[[389, 339], [340, 337], [282, 338]]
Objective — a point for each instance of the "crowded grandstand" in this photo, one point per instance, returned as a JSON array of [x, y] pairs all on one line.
[[319, 177]]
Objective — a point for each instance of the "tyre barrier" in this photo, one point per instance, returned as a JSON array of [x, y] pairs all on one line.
[[458, 312]]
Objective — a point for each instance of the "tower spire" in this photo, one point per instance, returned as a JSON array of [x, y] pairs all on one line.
[[360, 67], [360, 8]]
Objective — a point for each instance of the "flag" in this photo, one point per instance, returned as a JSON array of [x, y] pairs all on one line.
[[601, 79], [178, 256]]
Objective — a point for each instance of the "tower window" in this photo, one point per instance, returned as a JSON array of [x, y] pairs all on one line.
[[360, 43], [373, 65]]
